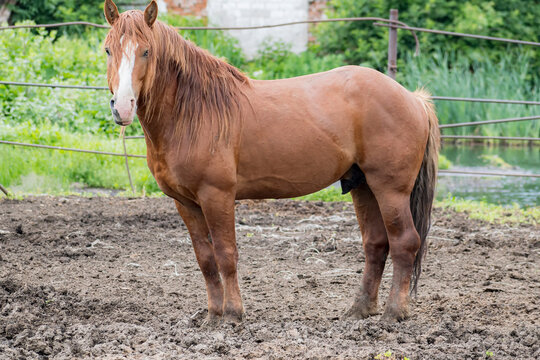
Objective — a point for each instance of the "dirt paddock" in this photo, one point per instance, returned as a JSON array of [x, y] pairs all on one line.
[[116, 278]]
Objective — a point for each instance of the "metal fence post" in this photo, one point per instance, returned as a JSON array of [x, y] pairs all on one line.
[[392, 45]]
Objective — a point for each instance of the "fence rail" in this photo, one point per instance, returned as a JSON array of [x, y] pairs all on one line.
[[488, 122], [480, 100], [478, 137], [391, 23], [488, 173], [54, 86], [472, 36], [15, 143], [388, 23], [433, 97]]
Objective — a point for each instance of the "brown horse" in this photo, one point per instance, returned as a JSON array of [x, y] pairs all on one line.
[[214, 136]]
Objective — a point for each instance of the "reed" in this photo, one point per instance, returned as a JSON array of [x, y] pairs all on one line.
[[449, 75]]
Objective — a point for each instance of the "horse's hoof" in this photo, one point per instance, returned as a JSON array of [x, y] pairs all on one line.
[[358, 312], [394, 314], [361, 308], [211, 321], [233, 317]]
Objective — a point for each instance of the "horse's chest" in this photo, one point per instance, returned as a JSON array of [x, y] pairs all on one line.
[[171, 177]]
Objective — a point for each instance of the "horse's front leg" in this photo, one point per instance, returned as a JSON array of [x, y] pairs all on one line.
[[218, 208], [204, 251]]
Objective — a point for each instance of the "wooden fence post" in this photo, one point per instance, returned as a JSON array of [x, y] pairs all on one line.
[[392, 46]]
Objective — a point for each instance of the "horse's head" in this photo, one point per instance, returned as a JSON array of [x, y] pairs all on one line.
[[128, 48]]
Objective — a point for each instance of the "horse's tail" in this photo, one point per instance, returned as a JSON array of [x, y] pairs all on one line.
[[424, 188]]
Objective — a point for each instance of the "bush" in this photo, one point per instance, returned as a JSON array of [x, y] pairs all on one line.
[[363, 43], [54, 11], [30, 57]]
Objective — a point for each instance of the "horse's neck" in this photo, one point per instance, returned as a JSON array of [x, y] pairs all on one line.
[[160, 128]]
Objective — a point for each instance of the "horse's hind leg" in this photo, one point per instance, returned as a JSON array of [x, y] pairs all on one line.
[[204, 251], [375, 243]]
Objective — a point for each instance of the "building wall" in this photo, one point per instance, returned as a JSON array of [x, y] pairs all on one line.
[[256, 12], [253, 13]]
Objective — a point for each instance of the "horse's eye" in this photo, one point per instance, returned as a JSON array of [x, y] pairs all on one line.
[[145, 54], [108, 52]]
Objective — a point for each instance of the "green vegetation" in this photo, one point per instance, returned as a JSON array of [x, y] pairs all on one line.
[[40, 58], [492, 213], [444, 163], [388, 355], [45, 171], [81, 118], [55, 11], [496, 161], [363, 43], [329, 194], [450, 75], [479, 210]]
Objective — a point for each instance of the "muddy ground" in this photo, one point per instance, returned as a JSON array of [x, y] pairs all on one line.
[[115, 278]]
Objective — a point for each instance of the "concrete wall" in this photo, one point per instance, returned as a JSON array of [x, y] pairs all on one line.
[[261, 12]]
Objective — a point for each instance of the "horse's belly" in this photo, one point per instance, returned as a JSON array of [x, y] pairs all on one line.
[[279, 176], [274, 188]]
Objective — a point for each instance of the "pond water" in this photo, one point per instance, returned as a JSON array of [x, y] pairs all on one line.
[[498, 190]]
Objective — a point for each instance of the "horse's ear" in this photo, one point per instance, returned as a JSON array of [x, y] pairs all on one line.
[[150, 13], [111, 12]]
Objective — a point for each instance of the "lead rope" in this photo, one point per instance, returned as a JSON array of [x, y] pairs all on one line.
[[4, 190], [123, 134]]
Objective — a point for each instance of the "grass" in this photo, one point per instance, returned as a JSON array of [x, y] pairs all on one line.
[[480, 210], [492, 213], [49, 171], [329, 194]]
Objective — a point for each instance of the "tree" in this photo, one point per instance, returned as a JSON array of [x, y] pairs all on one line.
[[53, 11]]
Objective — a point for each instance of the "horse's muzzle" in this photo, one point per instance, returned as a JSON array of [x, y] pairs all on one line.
[[125, 115]]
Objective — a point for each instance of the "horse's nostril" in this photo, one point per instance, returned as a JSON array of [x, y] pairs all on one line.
[[132, 102], [112, 103]]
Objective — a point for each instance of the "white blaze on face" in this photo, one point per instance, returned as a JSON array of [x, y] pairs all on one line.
[[125, 96]]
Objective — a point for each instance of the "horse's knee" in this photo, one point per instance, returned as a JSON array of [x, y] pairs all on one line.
[[227, 260]]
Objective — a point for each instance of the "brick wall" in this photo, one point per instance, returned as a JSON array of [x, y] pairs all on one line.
[[187, 7]]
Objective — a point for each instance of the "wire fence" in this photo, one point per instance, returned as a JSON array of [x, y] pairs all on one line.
[[391, 23]]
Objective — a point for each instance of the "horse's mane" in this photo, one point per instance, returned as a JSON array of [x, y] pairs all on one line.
[[208, 88]]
